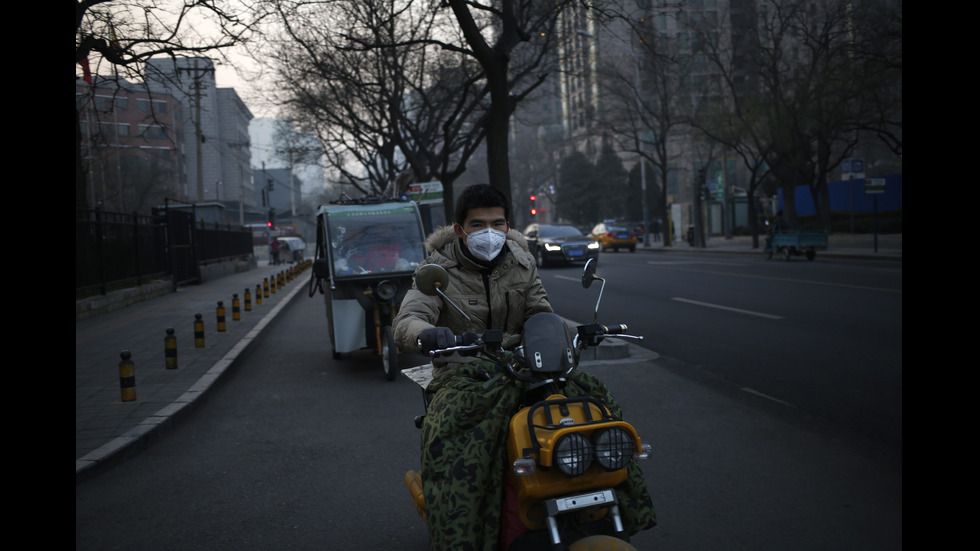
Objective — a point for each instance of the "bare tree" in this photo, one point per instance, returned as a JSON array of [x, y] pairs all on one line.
[[118, 36], [387, 106], [736, 118], [408, 89], [877, 51], [647, 110], [815, 92]]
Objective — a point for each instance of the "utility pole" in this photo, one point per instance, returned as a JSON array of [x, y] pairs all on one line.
[[197, 73]]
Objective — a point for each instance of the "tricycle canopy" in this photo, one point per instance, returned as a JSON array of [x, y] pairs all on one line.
[[371, 239]]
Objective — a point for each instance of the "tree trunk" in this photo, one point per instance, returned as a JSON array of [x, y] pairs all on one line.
[[498, 128]]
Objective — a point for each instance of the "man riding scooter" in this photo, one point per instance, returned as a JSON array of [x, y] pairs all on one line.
[[495, 283]]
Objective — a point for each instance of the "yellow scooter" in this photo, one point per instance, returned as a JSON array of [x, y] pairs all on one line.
[[568, 453]]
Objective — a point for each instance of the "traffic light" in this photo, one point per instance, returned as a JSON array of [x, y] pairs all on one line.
[[534, 209], [271, 224]]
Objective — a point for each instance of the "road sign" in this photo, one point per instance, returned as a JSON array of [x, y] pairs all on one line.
[[852, 168], [874, 185]]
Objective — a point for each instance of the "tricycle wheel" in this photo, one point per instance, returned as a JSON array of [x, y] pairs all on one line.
[[811, 254], [389, 354], [767, 252], [787, 253]]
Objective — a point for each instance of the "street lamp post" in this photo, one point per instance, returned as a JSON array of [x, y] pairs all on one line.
[[639, 111]]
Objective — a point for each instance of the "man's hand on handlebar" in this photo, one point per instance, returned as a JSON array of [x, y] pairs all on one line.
[[436, 338]]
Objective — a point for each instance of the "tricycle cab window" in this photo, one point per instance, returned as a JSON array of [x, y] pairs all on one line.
[[374, 239]]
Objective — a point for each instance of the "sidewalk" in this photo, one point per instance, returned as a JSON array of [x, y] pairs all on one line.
[[106, 427], [840, 245]]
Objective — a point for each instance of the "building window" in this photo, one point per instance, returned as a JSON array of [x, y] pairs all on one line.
[[108, 103], [153, 131], [159, 106], [114, 130]]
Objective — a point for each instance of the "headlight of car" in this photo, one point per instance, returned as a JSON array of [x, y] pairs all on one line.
[[594, 245], [552, 247], [613, 448], [573, 454]]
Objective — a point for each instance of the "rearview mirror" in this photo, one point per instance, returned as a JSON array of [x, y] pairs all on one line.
[[431, 278], [588, 274]]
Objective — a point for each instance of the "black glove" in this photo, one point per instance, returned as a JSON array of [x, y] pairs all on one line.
[[435, 338]]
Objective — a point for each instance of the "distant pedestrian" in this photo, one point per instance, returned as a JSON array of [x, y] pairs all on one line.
[[274, 247], [656, 229]]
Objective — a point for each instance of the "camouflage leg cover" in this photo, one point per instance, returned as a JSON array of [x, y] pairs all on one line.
[[463, 458], [463, 449], [635, 504]]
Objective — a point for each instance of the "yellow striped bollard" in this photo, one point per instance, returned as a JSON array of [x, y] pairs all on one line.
[[221, 316], [127, 377], [198, 331], [258, 294], [236, 312], [248, 300], [170, 349], [265, 287]]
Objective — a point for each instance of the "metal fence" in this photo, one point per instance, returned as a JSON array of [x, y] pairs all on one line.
[[117, 250]]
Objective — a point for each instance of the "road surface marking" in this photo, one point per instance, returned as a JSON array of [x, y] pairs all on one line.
[[682, 262], [718, 306], [766, 396]]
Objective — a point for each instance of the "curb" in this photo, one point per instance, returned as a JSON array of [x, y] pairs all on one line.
[[121, 446]]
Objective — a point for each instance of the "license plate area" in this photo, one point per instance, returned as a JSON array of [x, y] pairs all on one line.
[[581, 501]]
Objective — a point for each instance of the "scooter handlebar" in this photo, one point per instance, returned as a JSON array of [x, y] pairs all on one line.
[[614, 329], [592, 334]]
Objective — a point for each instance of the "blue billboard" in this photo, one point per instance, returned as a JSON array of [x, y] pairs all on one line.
[[846, 197]]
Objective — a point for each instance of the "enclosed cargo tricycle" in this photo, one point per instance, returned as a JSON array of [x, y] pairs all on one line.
[[795, 243], [366, 253]]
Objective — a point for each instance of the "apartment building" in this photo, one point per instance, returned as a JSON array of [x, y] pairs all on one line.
[[131, 144]]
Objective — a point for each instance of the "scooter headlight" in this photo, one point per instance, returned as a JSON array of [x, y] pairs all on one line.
[[613, 448], [573, 454]]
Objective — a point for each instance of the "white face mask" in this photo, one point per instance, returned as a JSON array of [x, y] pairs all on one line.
[[485, 244]]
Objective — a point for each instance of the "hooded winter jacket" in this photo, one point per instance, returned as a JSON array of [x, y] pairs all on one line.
[[501, 296]]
